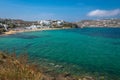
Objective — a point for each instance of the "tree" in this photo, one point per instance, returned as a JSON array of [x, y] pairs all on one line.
[[11, 25]]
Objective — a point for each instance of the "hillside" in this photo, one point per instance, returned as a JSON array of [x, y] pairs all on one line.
[[99, 23]]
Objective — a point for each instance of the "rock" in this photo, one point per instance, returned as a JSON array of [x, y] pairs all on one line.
[[67, 75], [52, 64], [2, 56], [1, 61], [88, 78], [59, 66], [102, 77], [53, 78], [56, 66]]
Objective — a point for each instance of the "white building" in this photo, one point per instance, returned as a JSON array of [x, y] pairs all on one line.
[[32, 27], [45, 23], [5, 26], [60, 22], [50, 23]]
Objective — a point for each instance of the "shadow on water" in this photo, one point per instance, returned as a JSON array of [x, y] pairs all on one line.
[[116, 43], [28, 45], [24, 36], [113, 33]]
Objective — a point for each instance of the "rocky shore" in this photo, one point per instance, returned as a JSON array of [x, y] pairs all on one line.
[[16, 68]]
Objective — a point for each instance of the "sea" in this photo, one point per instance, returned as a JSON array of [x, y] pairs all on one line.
[[79, 51]]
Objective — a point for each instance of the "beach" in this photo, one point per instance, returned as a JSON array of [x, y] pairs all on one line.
[[29, 30]]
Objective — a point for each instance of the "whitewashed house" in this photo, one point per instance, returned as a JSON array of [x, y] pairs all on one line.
[[50, 23], [5, 26], [45, 23], [32, 27], [60, 22]]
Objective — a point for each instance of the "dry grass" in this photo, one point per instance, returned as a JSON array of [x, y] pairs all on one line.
[[12, 68]]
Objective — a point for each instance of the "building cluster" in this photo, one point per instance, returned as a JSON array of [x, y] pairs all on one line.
[[8, 24], [17, 24], [100, 23], [47, 24]]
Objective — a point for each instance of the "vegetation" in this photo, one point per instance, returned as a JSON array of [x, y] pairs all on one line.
[[2, 30], [12, 68], [17, 68], [71, 25], [13, 23]]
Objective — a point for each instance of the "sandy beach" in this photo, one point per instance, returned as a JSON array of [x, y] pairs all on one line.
[[29, 30]]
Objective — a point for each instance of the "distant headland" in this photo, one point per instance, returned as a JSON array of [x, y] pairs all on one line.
[[99, 23]]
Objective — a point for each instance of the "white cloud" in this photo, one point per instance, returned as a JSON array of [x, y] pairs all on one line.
[[104, 13]]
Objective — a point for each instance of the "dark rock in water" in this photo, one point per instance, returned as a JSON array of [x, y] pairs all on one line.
[[25, 36], [22, 36], [66, 74], [48, 71], [56, 66], [116, 43]]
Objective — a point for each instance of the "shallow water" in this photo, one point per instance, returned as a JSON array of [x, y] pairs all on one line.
[[83, 50]]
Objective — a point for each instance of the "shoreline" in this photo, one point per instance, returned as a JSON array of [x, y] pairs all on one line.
[[29, 30], [46, 70]]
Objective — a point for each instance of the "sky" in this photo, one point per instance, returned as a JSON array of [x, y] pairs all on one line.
[[68, 10]]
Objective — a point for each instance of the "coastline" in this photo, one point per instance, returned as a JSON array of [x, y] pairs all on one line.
[[49, 67], [29, 30], [10, 32]]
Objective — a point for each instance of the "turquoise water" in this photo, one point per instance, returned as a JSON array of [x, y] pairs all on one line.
[[92, 50]]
